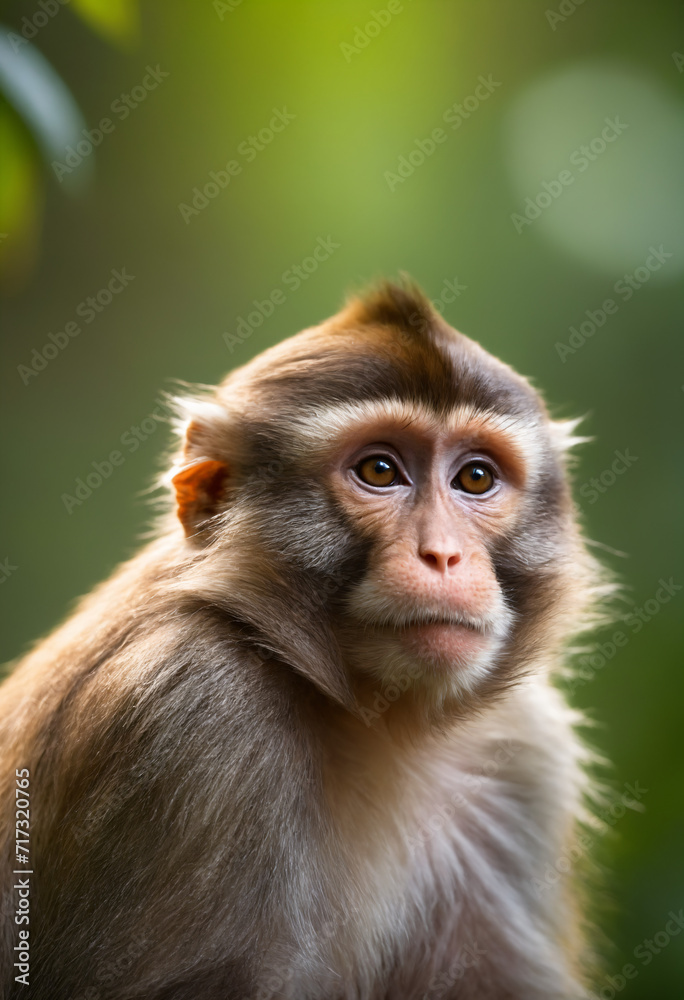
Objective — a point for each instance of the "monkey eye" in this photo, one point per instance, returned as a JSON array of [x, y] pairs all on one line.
[[475, 477], [378, 471]]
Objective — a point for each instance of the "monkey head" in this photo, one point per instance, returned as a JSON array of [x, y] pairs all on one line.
[[379, 501]]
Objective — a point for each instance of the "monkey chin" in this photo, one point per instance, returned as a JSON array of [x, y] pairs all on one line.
[[437, 663], [453, 659]]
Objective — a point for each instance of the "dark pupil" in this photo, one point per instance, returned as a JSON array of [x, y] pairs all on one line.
[[476, 473], [380, 467]]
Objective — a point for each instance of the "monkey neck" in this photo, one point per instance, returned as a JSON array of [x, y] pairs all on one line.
[[387, 746]]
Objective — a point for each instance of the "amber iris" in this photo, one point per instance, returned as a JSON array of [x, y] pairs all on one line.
[[474, 478], [377, 471]]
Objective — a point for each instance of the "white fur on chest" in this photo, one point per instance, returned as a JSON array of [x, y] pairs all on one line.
[[437, 857]]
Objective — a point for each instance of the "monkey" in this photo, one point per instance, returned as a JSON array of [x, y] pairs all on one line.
[[310, 742]]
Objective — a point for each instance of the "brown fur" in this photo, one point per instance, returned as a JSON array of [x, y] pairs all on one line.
[[223, 785]]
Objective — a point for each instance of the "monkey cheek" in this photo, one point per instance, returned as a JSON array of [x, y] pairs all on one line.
[[445, 645]]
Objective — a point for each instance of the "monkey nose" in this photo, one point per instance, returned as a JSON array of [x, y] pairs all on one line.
[[439, 557]]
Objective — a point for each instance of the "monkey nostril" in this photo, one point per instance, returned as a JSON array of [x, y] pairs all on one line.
[[440, 561]]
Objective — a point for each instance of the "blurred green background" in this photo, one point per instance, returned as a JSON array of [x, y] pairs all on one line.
[[413, 136]]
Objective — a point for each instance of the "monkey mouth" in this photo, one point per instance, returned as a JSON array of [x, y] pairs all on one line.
[[443, 639], [427, 619], [445, 642], [435, 633]]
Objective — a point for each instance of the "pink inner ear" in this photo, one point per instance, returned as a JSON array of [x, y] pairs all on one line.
[[198, 490]]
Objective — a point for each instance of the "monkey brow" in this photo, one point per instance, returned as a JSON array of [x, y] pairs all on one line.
[[321, 424]]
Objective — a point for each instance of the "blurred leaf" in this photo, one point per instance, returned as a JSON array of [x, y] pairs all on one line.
[[43, 101], [115, 20], [21, 197]]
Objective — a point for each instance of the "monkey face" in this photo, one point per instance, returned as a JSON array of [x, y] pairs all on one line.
[[431, 500], [416, 508]]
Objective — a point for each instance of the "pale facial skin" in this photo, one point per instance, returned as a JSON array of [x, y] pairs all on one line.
[[429, 499]]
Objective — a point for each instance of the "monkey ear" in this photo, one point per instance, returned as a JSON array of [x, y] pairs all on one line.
[[199, 489], [200, 475]]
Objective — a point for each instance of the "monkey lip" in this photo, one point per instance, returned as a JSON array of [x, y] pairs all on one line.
[[443, 638]]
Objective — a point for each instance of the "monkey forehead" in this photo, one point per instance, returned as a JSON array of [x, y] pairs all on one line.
[[435, 367]]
